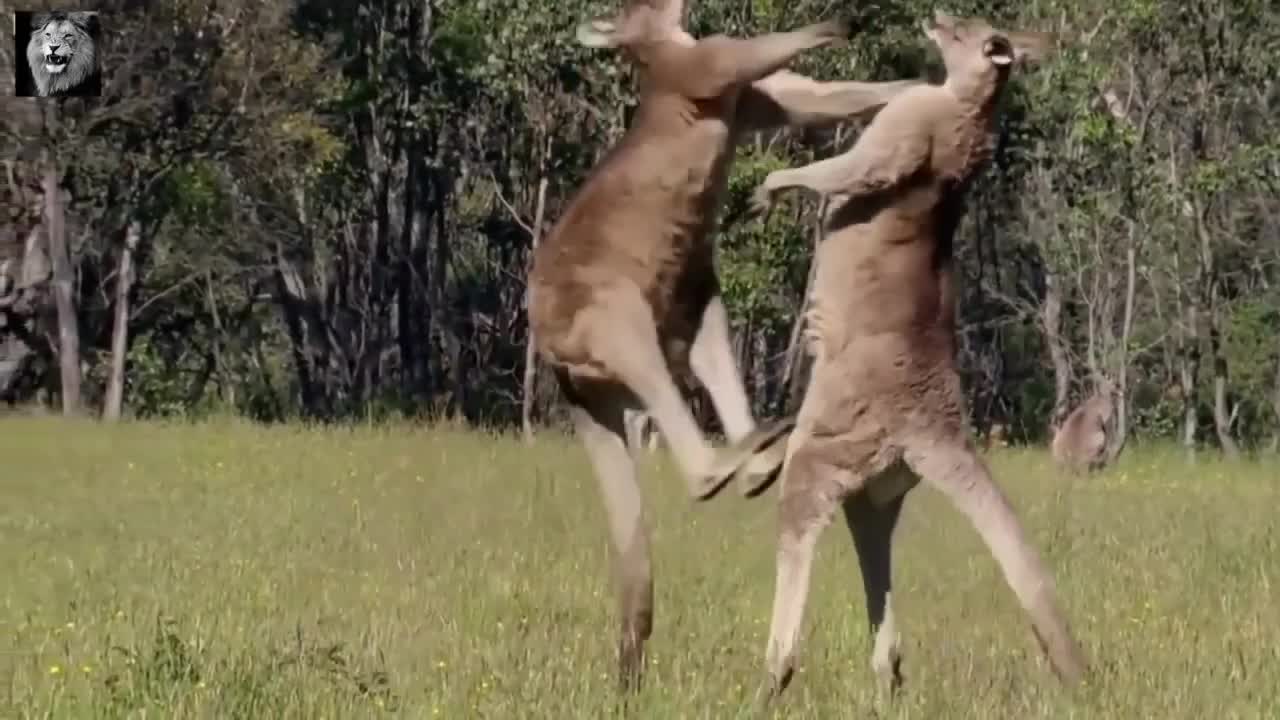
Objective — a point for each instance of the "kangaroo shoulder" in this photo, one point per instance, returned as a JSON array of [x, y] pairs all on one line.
[[915, 110]]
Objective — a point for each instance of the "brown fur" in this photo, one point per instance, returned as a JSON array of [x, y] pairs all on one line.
[[624, 293], [884, 407], [1080, 443]]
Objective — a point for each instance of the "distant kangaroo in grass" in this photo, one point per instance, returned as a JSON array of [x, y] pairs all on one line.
[[1080, 443], [884, 406], [623, 290]]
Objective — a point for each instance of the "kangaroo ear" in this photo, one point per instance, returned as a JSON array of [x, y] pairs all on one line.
[[940, 22], [598, 33], [669, 16], [1031, 47]]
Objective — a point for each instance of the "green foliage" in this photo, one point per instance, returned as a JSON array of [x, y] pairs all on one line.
[[463, 39], [762, 266], [153, 386], [393, 157], [194, 194], [1251, 347], [299, 135]]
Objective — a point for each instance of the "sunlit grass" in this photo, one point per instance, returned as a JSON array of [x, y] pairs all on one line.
[[227, 570]]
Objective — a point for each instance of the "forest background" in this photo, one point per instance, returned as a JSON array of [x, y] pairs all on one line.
[[324, 210]]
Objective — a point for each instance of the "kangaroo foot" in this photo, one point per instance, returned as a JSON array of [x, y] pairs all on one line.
[[759, 473], [754, 460]]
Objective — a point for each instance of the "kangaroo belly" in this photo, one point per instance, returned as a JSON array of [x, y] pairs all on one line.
[[867, 288], [642, 224]]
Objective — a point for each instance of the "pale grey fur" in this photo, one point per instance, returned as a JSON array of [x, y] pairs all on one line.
[[884, 408]]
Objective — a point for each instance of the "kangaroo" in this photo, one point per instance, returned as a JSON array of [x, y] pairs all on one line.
[[1080, 443], [624, 295], [884, 406]]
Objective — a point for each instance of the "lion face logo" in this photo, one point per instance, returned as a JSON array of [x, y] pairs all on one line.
[[58, 45], [62, 53]]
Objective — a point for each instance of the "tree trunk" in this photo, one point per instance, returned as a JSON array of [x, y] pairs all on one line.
[[226, 383], [1222, 416], [1116, 441], [1188, 368], [410, 312], [1187, 320], [1051, 325], [446, 333], [292, 297], [529, 392], [410, 233], [1187, 327], [759, 381], [63, 289], [1211, 303], [120, 328]]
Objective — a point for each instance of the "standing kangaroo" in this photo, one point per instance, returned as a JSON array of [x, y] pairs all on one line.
[[884, 406], [623, 290], [1080, 443]]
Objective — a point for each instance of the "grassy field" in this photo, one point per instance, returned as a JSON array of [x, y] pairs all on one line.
[[232, 571]]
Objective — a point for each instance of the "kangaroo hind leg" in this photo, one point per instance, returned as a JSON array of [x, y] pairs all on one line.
[[871, 526], [620, 331], [599, 410], [950, 464], [712, 361], [810, 488]]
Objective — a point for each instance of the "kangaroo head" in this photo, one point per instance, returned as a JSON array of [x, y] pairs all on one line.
[[640, 28], [977, 54]]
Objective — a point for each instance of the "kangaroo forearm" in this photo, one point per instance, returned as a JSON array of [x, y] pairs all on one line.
[[828, 177], [750, 59], [836, 101], [789, 98]]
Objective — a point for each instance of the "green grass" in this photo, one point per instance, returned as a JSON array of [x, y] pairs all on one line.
[[231, 571]]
